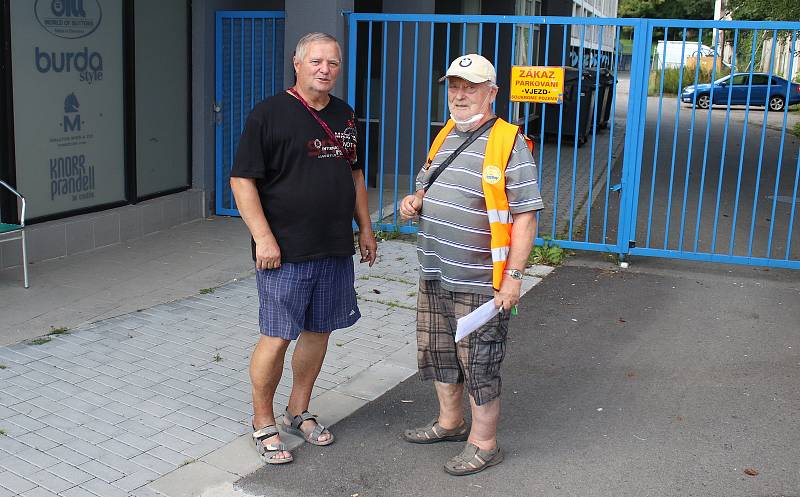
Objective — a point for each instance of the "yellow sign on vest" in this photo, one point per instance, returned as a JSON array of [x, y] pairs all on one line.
[[539, 84], [492, 174]]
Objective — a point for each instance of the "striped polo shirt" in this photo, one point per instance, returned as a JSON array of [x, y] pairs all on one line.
[[454, 240]]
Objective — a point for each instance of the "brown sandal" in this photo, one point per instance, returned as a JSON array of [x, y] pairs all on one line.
[[435, 433], [472, 460]]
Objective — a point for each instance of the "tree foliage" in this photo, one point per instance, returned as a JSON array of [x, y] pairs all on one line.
[[760, 10], [668, 9]]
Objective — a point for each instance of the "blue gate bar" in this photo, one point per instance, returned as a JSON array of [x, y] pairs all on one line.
[[274, 57], [761, 147], [218, 136], [722, 156], [557, 179], [674, 138], [617, 34], [412, 165], [368, 115], [428, 131], [540, 164], [495, 60], [658, 138], [793, 209], [446, 65], [690, 149], [780, 152], [742, 148], [594, 132], [385, 35], [263, 31], [397, 127], [513, 53], [578, 132]]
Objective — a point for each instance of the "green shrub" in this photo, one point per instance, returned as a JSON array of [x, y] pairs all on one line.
[[672, 78], [548, 254]]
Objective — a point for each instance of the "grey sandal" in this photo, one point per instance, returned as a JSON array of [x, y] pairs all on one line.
[[472, 460], [435, 433], [269, 452], [313, 437]]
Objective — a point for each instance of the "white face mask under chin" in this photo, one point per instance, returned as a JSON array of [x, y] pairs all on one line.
[[466, 124]]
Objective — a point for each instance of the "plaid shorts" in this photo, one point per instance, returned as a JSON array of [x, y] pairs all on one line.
[[316, 295], [476, 359]]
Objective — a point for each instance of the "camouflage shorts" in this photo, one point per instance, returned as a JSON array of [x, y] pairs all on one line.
[[476, 359]]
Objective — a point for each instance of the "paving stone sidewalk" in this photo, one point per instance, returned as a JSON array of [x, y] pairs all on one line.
[[107, 409]]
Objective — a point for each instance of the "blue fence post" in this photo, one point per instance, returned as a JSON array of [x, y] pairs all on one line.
[[634, 136]]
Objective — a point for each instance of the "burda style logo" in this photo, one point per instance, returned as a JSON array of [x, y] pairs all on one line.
[[69, 18]]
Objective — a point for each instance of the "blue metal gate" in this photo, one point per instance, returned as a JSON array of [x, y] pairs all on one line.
[[249, 68], [718, 148], [630, 163]]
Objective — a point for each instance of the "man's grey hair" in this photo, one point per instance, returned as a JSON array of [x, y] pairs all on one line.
[[305, 41]]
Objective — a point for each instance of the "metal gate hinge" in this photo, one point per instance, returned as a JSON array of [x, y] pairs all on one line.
[[616, 188], [632, 244]]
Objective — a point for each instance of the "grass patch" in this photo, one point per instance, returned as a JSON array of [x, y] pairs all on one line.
[[672, 76], [2, 432], [3, 366], [547, 254], [382, 236], [39, 341], [412, 294], [63, 330], [217, 357], [187, 462], [206, 291], [795, 130]]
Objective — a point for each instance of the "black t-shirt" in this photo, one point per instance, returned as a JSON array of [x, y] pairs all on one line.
[[305, 185]]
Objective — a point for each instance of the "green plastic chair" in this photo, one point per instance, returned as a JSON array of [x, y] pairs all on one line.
[[16, 231]]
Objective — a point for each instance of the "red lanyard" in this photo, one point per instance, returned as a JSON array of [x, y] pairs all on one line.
[[349, 157]]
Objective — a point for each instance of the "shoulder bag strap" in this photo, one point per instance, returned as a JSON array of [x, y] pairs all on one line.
[[474, 136]]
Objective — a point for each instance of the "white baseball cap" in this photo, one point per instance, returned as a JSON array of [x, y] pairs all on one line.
[[472, 67]]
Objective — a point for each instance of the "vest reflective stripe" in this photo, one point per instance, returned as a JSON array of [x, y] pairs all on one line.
[[496, 216], [500, 254], [502, 138]]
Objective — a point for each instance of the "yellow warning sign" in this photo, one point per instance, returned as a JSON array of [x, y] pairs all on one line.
[[540, 84]]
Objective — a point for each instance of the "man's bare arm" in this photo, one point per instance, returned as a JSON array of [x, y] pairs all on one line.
[[522, 233], [268, 254], [366, 238]]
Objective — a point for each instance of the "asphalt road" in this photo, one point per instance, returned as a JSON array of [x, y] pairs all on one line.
[[668, 379]]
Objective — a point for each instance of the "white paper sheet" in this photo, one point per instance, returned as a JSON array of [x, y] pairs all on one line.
[[475, 319]]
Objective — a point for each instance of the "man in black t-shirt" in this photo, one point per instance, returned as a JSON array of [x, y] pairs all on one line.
[[298, 186]]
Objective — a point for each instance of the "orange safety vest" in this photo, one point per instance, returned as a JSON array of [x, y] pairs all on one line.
[[502, 137]]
